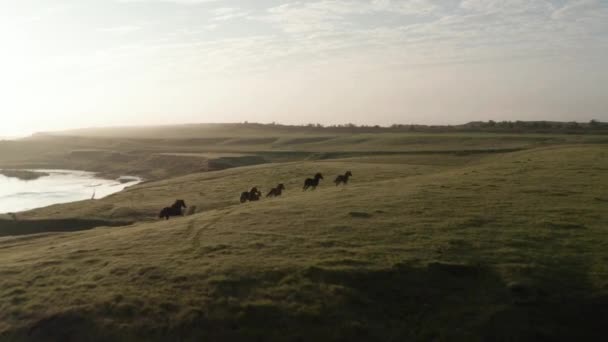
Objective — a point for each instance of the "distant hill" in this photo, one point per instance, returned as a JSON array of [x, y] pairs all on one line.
[[220, 130]]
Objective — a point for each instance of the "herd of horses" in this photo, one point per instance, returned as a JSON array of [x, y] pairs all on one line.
[[255, 195]]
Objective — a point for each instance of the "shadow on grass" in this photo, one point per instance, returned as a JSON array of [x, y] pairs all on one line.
[[26, 227], [232, 162], [404, 303]]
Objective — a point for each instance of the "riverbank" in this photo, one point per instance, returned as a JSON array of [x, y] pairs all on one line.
[[26, 175], [58, 186]]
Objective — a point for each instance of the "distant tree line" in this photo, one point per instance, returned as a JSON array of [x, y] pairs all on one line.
[[491, 126]]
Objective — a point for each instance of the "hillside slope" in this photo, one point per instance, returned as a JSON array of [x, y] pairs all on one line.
[[156, 153], [214, 190], [504, 247]]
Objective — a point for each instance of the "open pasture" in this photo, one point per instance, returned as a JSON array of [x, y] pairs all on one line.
[[466, 246]]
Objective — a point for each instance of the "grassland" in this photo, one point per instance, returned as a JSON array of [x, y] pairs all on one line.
[[157, 153], [453, 241]]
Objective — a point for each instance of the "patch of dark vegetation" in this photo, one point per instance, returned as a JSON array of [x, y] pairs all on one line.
[[213, 248], [360, 214], [474, 222], [230, 162], [197, 141], [566, 226], [563, 193], [279, 156], [70, 326], [119, 271], [150, 273], [26, 227], [250, 141], [346, 301], [297, 141], [457, 153], [50, 263], [453, 269], [346, 262], [25, 175], [525, 292], [126, 179]]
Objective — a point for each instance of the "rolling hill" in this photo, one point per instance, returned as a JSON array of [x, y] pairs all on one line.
[[507, 246]]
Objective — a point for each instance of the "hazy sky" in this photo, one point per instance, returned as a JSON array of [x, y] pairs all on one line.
[[71, 63]]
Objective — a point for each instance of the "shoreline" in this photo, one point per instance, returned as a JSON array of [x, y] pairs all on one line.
[[24, 175], [77, 185]]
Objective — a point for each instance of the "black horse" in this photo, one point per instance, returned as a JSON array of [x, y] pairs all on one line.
[[174, 210], [276, 192], [252, 195], [343, 178], [312, 182]]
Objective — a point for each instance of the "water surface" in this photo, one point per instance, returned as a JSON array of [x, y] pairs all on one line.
[[61, 186]]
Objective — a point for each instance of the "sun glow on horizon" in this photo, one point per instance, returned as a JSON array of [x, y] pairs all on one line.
[[80, 64]]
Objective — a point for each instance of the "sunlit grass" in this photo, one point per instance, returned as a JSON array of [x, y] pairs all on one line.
[[507, 245]]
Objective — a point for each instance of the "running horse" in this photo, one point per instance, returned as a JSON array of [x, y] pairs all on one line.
[[174, 210], [252, 195], [343, 178], [312, 182], [276, 192]]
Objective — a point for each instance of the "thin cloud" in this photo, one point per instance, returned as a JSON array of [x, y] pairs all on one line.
[[573, 9], [228, 13], [179, 2], [197, 41], [119, 29]]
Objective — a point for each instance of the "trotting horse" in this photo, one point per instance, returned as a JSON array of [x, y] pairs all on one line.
[[312, 182], [276, 192], [174, 210], [343, 178]]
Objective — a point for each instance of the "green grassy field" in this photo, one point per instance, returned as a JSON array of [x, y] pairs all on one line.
[[450, 241], [157, 153]]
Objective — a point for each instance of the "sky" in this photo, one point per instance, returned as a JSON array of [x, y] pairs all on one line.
[[84, 63]]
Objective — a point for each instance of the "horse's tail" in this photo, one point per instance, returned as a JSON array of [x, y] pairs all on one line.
[[163, 213]]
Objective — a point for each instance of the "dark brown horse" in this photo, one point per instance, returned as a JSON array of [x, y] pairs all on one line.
[[343, 178], [174, 210], [312, 182], [252, 195], [276, 192]]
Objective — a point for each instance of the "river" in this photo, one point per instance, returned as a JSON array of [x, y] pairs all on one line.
[[60, 186]]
